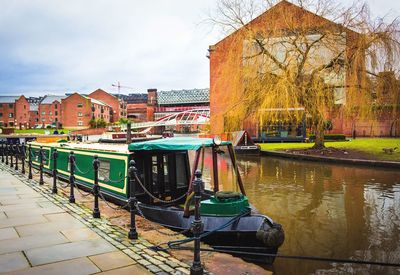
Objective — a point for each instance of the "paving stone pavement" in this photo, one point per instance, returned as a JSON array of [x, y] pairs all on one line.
[[42, 233]]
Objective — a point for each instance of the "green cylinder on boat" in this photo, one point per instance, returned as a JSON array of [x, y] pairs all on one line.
[[224, 204]]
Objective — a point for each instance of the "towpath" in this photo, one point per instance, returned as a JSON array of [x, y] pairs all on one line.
[[41, 233]]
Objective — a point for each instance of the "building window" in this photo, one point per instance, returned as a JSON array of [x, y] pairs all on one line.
[[1, 114], [56, 113], [56, 106], [36, 119], [10, 105], [80, 123], [43, 119], [80, 114], [80, 105], [56, 119], [11, 115], [1, 105], [43, 113], [24, 107], [50, 113]]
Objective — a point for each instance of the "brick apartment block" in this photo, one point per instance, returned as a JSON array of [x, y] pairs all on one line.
[[14, 111], [77, 110], [50, 110], [118, 105]]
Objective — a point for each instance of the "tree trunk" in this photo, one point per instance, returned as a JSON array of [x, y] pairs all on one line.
[[319, 137]]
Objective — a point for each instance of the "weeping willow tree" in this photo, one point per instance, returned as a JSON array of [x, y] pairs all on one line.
[[308, 55]]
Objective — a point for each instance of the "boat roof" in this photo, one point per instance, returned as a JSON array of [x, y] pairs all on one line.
[[101, 147], [173, 144]]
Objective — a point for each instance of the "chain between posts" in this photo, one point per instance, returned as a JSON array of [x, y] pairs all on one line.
[[156, 198]]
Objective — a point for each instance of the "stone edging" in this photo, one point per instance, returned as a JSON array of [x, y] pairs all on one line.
[[156, 262], [385, 164]]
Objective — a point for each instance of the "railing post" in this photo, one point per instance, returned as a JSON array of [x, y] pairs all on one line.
[[16, 156], [133, 235], [2, 151], [55, 155], [30, 161], [41, 181], [71, 176], [11, 150], [197, 225], [7, 152], [23, 155], [96, 187]]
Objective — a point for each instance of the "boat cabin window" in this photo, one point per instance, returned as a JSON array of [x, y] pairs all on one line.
[[104, 170]]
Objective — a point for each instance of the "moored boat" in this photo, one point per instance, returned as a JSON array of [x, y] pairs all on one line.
[[164, 189]]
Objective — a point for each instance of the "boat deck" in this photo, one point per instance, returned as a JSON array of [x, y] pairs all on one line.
[[117, 148]]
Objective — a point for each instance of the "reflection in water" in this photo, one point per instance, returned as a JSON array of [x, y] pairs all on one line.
[[326, 210]]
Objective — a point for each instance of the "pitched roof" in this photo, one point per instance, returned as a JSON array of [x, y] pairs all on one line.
[[96, 101], [284, 7], [135, 98], [8, 99], [183, 96], [49, 99]]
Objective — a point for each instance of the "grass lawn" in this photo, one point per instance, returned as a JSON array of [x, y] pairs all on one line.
[[368, 145], [40, 131]]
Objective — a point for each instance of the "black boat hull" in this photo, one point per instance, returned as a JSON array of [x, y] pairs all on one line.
[[239, 238]]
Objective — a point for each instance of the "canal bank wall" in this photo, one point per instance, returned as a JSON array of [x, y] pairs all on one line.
[[363, 162]]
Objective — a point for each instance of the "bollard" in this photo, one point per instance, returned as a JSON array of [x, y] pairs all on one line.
[[7, 152], [30, 162], [16, 156], [41, 181], [2, 151], [23, 156], [55, 155], [96, 187], [133, 235], [71, 176], [11, 150], [197, 225]]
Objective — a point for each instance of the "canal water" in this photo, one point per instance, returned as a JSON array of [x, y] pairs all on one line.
[[326, 210]]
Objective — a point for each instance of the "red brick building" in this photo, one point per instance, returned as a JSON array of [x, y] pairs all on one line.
[[228, 56], [33, 115], [14, 111], [118, 105], [50, 110], [77, 110]]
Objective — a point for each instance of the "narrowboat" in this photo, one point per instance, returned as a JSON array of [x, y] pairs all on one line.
[[164, 189], [243, 143]]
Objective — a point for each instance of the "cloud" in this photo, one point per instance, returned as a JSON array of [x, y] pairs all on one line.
[[62, 46], [82, 45]]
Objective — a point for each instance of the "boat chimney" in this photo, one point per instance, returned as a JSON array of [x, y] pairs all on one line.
[[128, 133]]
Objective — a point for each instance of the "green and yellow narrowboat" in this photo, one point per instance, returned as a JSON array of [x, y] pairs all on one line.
[[164, 189]]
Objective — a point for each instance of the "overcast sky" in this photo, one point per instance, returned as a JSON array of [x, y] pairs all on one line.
[[58, 46]]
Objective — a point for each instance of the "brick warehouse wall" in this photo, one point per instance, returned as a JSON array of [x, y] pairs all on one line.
[[74, 116], [22, 112], [226, 56], [50, 113], [117, 105], [5, 110]]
